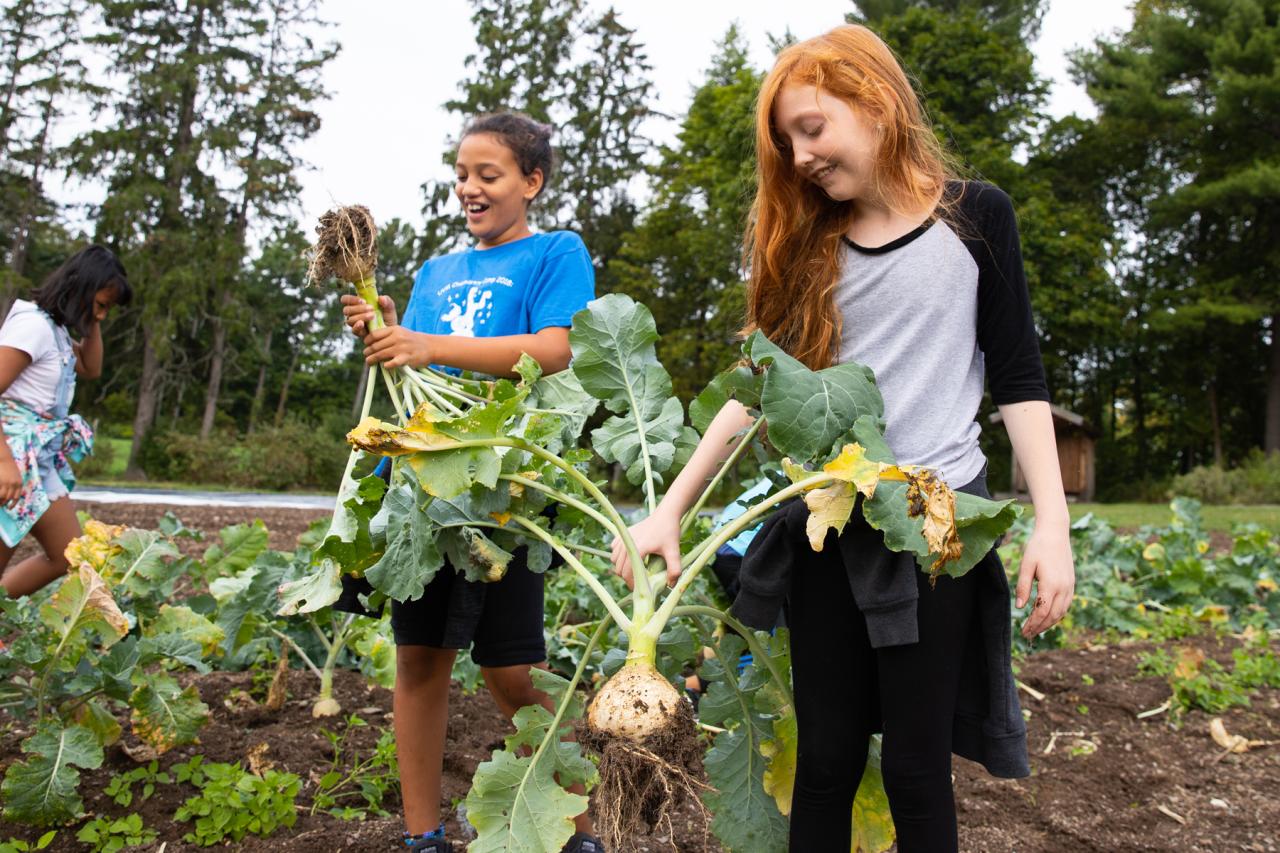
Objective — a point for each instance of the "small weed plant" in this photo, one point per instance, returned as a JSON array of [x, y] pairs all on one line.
[[353, 787], [233, 803], [109, 835]]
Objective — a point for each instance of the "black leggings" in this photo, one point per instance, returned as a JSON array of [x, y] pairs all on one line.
[[844, 690]]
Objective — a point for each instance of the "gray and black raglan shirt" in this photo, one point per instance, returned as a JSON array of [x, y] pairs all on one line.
[[932, 312]]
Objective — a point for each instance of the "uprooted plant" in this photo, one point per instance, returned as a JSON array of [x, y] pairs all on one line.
[[478, 465]]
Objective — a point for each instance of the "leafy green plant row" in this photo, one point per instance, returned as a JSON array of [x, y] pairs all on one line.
[[1168, 580]]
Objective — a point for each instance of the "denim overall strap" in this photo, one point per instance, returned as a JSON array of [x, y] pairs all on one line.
[[67, 378]]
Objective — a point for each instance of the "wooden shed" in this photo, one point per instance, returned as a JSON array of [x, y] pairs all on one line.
[[1076, 456]]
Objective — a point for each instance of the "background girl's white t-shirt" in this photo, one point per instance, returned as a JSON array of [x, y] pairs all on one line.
[[27, 329]]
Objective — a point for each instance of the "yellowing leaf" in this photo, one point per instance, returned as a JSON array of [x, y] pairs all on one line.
[[932, 498], [1190, 659], [374, 436], [795, 473], [1153, 553], [829, 508], [95, 546], [853, 466], [85, 599], [1267, 585], [780, 776]]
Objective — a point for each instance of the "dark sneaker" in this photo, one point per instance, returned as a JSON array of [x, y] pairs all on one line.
[[583, 843]]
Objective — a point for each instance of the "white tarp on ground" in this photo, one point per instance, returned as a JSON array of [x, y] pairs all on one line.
[[185, 498]]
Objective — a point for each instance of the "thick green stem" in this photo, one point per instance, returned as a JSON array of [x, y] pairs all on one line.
[[722, 536], [598, 588], [367, 289], [564, 498], [642, 650], [758, 651], [643, 608]]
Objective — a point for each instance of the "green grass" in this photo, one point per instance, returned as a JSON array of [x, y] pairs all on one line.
[[1215, 517]]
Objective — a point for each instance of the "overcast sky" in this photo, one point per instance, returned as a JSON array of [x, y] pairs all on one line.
[[383, 129]]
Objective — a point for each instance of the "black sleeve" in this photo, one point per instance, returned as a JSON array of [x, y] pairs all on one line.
[[1006, 331]]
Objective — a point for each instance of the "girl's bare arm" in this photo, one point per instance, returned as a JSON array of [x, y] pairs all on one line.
[[12, 363], [89, 353], [1047, 558]]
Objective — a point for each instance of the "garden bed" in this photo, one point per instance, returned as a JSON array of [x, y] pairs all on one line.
[[1110, 782]]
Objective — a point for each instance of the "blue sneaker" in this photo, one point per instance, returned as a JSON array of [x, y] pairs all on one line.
[[431, 842]]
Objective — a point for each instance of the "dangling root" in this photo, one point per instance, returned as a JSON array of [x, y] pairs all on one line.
[[642, 783], [347, 246]]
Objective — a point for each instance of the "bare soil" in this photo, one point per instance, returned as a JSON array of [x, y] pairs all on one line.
[[1102, 779]]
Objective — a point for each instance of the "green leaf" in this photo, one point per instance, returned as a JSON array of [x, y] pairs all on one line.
[[144, 562], [515, 802], [176, 619], [739, 383], [445, 472], [745, 818], [314, 592], [164, 715], [564, 393], [979, 524], [614, 359], [808, 411], [250, 597], [241, 545], [171, 647], [413, 556], [42, 788], [97, 718], [528, 369]]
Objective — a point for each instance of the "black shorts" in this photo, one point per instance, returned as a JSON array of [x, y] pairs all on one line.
[[501, 621]]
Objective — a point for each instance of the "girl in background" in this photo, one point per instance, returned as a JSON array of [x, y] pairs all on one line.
[[39, 362]]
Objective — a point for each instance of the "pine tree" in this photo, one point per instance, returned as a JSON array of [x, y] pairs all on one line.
[[277, 114], [183, 68], [1189, 99]]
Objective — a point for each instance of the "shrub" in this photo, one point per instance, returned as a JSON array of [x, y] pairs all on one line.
[[290, 456], [1255, 481], [100, 462]]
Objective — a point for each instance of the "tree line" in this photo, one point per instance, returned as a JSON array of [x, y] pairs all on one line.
[[1149, 230]]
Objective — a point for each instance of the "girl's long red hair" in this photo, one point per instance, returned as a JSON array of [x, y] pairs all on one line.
[[793, 238]]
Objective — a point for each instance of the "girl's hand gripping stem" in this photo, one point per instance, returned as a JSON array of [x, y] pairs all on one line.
[[658, 534]]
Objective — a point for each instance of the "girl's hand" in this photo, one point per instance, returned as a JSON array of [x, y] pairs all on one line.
[[396, 346], [658, 534], [10, 482], [358, 314], [1047, 559]]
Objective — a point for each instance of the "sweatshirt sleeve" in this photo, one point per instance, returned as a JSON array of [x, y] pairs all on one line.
[[1006, 331]]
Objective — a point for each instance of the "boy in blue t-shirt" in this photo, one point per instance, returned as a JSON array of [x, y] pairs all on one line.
[[480, 309]]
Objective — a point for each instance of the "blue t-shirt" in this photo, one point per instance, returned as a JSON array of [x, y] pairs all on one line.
[[517, 288]]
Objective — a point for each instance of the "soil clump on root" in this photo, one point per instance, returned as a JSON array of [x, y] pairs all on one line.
[[346, 246], [644, 783]]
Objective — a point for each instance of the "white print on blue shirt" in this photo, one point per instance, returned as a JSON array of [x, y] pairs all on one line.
[[470, 304]]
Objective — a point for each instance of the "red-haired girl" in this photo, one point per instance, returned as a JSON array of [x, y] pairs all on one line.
[[865, 247]]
